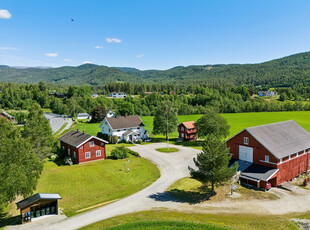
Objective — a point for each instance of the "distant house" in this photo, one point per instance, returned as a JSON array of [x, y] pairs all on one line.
[[148, 93], [117, 95], [9, 117], [128, 128], [269, 155], [94, 95], [173, 93], [266, 93], [110, 113], [37, 205], [83, 116], [58, 95], [82, 147], [187, 131]]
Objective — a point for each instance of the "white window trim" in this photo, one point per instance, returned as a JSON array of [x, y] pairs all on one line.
[[86, 155], [69, 151], [98, 151], [91, 144], [244, 140]]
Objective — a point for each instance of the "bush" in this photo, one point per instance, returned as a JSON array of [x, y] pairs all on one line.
[[123, 141], [133, 153], [68, 161], [110, 139], [53, 157], [139, 141], [119, 152], [115, 139]]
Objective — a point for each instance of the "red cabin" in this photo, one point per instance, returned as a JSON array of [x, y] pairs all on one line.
[[271, 154], [187, 131], [82, 147]]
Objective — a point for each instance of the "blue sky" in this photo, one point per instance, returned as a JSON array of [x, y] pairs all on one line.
[[151, 34]]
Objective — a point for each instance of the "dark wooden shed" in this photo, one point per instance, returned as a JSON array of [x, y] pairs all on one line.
[[37, 205]]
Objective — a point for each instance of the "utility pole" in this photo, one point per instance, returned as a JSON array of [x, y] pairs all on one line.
[[167, 131]]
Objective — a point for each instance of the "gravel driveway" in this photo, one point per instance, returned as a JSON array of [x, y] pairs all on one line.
[[173, 166]]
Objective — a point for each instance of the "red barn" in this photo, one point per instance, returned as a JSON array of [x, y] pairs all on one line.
[[187, 131], [7, 116], [269, 155], [82, 147]]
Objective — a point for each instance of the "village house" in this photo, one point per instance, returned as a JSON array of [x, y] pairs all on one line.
[[110, 113], [37, 205], [94, 95], [187, 131], [266, 93], [7, 116], [117, 95], [128, 128], [82, 147], [83, 116], [269, 155]]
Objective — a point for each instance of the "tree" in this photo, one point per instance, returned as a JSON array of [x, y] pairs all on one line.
[[20, 166], [38, 132], [212, 123], [115, 139], [212, 163], [160, 120], [98, 113]]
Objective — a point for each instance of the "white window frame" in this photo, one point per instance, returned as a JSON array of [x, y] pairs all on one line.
[[74, 155], [182, 129], [98, 153], [245, 140], [266, 158], [87, 154], [309, 162], [81, 147], [91, 144]]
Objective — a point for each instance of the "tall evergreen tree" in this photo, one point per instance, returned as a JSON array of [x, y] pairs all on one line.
[[212, 163], [38, 132]]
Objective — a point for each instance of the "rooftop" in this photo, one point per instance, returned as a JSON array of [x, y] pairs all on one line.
[[121, 122], [76, 138], [189, 124], [36, 197]]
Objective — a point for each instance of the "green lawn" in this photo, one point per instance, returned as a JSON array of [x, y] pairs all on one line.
[[90, 128], [166, 150], [85, 185], [231, 221]]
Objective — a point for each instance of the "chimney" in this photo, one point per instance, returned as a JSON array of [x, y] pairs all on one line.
[[84, 131], [78, 130]]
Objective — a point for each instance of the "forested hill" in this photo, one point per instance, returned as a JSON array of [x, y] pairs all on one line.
[[285, 71]]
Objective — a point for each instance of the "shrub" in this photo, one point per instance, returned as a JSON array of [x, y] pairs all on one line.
[[133, 153], [123, 141], [139, 141], [115, 139], [110, 139], [53, 157], [119, 152], [68, 161]]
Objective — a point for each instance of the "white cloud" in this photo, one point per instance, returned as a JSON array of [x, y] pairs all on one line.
[[51, 54], [5, 14], [111, 40], [87, 62], [67, 59], [98, 47], [8, 48], [140, 55]]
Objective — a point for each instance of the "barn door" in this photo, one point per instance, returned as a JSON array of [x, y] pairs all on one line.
[[245, 153]]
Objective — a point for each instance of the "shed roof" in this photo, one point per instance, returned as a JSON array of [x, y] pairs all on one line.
[[281, 139], [82, 114], [189, 124], [259, 172], [37, 197], [76, 138], [7, 115], [120, 122]]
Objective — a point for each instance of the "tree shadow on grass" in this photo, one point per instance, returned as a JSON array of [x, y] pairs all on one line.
[[182, 196], [8, 220]]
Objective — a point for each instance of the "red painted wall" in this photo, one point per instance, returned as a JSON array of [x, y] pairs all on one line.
[[188, 134], [80, 152]]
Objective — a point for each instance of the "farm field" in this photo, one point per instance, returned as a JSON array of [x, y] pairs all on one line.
[[85, 185], [222, 221]]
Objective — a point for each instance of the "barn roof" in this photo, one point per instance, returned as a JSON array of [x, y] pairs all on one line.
[[37, 197], [120, 122], [258, 172], [189, 124], [76, 138], [281, 139]]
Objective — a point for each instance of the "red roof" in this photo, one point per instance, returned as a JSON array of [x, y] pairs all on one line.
[[189, 124]]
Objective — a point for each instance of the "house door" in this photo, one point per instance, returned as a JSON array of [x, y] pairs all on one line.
[[130, 137], [245, 153]]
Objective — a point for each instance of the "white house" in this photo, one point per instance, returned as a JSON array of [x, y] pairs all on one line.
[[83, 116], [110, 113], [128, 128], [266, 93], [117, 95]]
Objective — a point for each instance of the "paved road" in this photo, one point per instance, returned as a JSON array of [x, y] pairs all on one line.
[[57, 121], [173, 166]]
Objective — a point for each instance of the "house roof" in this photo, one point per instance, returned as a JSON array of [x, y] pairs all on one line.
[[129, 132], [258, 172], [82, 114], [281, 139], [120, 122], [189, 124], [76, 139], [7, 115], [36, 197]]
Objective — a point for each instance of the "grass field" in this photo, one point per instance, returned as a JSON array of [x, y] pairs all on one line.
[[90, 128], [231, 221], [166, 150], [85, 185]]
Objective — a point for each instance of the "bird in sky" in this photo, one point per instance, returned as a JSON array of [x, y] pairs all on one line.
[[72, 20]]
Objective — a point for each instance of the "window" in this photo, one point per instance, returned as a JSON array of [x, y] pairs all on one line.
[[81, 147], [87, 155], [309, 162], [102, 144], [266, 158], [74, 155], [109, 130], [91, 144], [63, 147], [182, 129], [69, 152], [98, 153], [246, 140]]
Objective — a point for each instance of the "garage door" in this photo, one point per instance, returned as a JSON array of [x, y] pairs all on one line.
[[245, 153]]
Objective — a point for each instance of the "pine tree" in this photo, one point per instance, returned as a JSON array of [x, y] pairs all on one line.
[[212, 163]]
